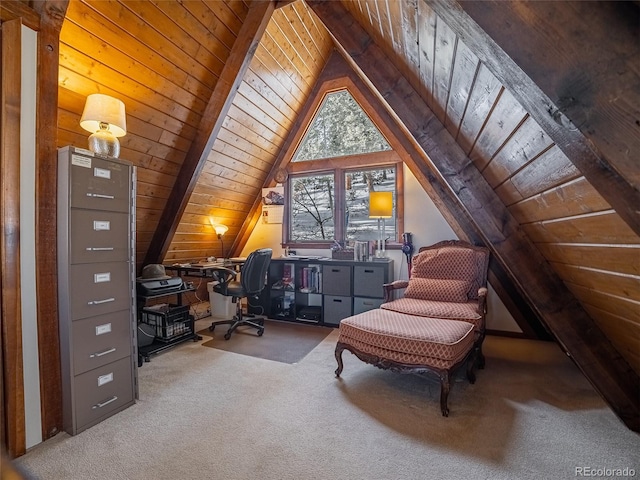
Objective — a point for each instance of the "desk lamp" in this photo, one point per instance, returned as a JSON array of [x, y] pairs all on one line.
[[105, 118], [220, 231], [381, 207]]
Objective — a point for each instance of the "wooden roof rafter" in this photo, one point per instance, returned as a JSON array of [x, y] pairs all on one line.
[[574, 329], [214, 115]]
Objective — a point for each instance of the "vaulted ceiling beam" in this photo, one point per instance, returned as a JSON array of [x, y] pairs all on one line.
[[598, 91], [576, 332], [216, 110]]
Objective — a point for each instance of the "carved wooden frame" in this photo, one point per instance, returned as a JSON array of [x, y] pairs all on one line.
[[443, 374]]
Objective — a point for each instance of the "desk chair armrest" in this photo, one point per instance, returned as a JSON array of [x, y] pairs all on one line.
[[224, 275]]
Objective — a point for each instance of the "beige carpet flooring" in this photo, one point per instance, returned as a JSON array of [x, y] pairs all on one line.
[[204, 413]]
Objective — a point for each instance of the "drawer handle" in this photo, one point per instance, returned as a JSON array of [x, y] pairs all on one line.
[[368, 271], [100, 354], [99, 249], [98, 302], [336, 300], [98, 195], [104, 404], [335, 270]]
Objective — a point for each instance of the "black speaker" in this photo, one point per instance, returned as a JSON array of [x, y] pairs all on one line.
[[407, 245]]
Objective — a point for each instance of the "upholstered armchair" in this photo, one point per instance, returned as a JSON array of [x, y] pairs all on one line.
[[448, 281]]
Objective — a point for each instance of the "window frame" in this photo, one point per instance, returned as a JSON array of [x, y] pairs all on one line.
[[338, 166]]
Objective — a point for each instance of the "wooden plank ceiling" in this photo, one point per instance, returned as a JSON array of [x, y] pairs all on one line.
[[163, 60]]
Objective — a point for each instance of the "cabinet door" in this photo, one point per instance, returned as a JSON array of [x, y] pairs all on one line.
[[335, 309], [336, 280], [368, 281]]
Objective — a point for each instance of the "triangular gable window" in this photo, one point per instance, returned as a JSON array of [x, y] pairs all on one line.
[[339, 128]]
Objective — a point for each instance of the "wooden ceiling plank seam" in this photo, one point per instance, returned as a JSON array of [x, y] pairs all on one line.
[[231, 18], [308, 58], [234, 136], [286, 77], [220, 36], [254, 124], [138, 31], [267, 62], [221, 100], [527, 143], [613, 186], [320, 41], [505, 118], [285, 44], [410, 38], [601, 280], [243, 159], [257, 83], [95, 71], [427, 19], [462, 84], [576, 332], [212, 50], [446, 42], [269, 112]]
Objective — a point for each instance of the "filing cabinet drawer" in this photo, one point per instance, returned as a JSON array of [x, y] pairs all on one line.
[[103, 391], [362, 304], [336, 308], [368, 281], [336, 280], [98, 236], [99, 183], [100, 340], [98, 288]]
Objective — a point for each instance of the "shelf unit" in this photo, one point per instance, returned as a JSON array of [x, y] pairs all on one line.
[[324, 291], [173, 329]]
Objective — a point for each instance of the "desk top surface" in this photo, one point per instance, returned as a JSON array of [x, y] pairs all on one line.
[[201, 266]]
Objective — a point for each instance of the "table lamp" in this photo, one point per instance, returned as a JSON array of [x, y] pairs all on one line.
[[381, 207], [105, 118]]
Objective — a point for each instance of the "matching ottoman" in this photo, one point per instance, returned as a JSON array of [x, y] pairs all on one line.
[[409, 344]]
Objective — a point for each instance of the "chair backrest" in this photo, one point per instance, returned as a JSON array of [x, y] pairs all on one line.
[[254, 271], [453, 260]]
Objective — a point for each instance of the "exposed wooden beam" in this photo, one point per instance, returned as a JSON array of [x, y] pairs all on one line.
[[576, 332], [221, 99], [560, 74], [13, 421], [12, 9], [52, 13]]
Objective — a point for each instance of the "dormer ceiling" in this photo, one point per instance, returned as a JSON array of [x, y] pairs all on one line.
[[525, 133]]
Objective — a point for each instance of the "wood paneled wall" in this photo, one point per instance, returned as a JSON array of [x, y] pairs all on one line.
[[289, 59], [592, 249]]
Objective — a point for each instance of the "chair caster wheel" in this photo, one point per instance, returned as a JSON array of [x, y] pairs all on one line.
[[212, 328], [260, 332], [227, 336]]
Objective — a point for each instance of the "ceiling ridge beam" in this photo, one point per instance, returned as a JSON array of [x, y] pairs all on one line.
[[574, 329], [214, 115]]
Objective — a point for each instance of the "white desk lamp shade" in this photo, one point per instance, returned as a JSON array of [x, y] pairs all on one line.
[[105, 118]]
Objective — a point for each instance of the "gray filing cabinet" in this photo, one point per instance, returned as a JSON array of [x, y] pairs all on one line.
[[96, 263]]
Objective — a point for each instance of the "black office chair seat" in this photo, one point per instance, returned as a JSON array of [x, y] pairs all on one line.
[[252, 280]]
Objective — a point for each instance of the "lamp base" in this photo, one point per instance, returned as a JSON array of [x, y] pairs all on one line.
[[104, 143]]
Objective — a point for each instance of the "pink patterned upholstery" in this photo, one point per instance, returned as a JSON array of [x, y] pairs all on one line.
[[467, 311], [408, 339], [436, 327]]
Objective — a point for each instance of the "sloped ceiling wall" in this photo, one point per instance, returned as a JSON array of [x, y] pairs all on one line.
[[163, 60]]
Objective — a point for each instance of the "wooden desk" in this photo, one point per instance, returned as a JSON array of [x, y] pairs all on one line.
[[206, 270]]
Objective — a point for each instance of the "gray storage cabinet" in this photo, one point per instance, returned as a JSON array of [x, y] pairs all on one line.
[[96, 301], [345, 288]]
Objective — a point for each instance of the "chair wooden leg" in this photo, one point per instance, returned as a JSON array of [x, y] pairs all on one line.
[[339, 349], [444, 392]]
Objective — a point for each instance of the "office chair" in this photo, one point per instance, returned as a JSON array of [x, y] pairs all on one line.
[[252, 279]]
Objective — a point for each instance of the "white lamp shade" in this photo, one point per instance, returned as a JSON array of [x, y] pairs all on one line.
[[104, 109], [221, 229], [380, 204]]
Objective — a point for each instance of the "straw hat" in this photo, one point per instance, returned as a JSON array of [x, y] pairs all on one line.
[[153, 271]]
